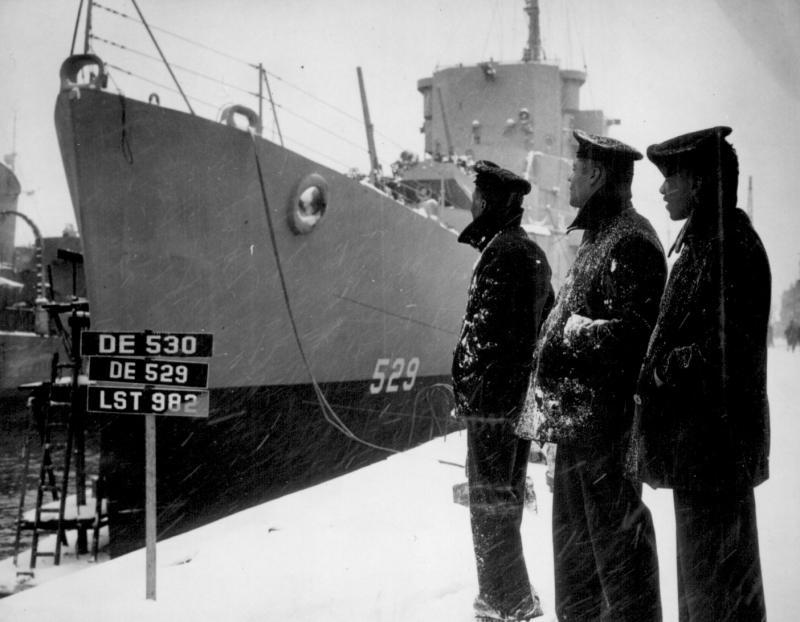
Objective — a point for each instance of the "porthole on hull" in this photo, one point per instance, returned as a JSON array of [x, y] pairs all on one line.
[[308, 204]]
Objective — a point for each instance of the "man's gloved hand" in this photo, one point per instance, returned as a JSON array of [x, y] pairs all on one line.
[[575, 328], [581, 328]]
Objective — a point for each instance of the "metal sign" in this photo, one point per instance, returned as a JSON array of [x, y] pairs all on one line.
[[148, 371], [147, 401], [165, 387], [95, 343], [107, 364]]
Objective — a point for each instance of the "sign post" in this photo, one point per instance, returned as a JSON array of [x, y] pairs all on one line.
[[142, 385], [150, 505]]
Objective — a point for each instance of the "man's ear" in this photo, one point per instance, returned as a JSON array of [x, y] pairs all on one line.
[[695, 183], [598, 175]]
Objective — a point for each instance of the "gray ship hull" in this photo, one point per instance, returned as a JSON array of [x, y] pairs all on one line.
[[176, 238]]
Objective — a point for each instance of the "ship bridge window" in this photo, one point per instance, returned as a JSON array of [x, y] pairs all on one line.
[[309, 204]]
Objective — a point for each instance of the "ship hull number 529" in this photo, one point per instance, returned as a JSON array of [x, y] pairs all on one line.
[[393, 375]]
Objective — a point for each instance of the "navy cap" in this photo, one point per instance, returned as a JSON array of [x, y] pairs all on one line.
[[603, 148], [490, 176], [686, 148]]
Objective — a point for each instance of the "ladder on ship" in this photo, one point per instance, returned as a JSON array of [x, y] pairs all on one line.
[[60, 403]]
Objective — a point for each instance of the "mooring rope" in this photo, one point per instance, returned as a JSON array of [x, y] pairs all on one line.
[[327, 410]]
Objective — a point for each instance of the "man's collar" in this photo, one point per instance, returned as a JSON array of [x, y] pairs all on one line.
[[480, 231], [599, 209], [705, 226]]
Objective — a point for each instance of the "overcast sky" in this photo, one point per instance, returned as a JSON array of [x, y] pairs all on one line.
[[663, 68]]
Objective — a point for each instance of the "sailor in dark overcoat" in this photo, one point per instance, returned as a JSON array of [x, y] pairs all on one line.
[[702, 421], [509, 294], [581, 394]]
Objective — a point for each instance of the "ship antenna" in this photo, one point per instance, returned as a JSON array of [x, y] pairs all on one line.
[[265, 81], [373, 155], [534, 50]]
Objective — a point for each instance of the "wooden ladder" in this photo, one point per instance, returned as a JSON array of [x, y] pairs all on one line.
[[41, 405], [47, 399]]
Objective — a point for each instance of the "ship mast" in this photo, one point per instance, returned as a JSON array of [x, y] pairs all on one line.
[[534, 50], [444, 122], [373, 154], [11, 158], [87, 31]]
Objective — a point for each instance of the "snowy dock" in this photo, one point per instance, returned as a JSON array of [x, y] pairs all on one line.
[[387, 543]]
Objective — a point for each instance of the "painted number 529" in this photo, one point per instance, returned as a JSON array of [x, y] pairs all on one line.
[[392, 374]]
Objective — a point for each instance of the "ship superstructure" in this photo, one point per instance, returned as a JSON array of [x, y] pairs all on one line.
[[519, 115]]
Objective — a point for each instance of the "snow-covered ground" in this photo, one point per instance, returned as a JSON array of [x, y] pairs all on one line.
[[19, 576], [387, 543]]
